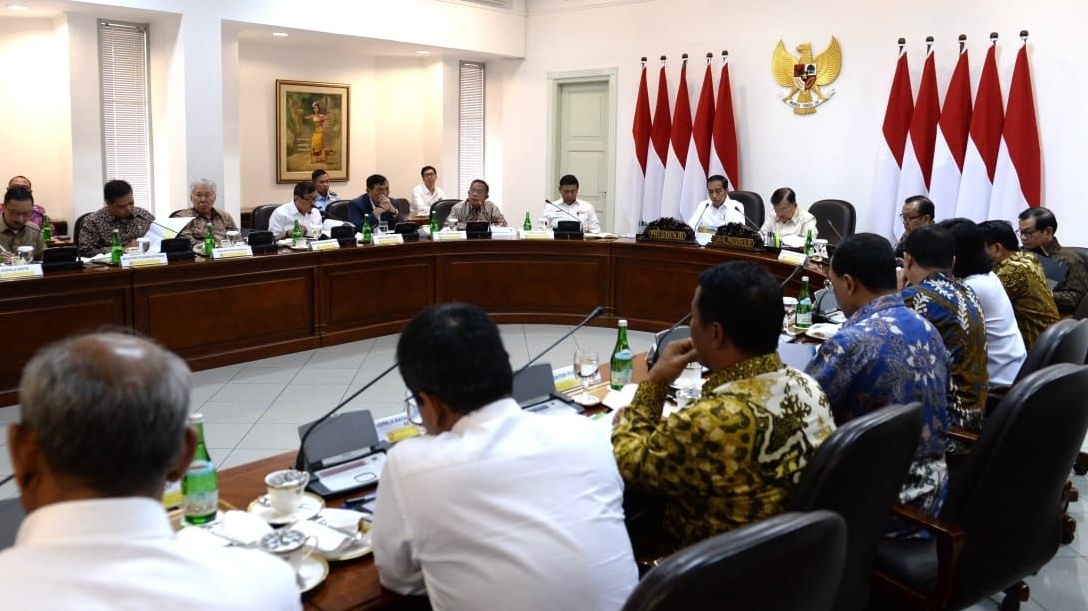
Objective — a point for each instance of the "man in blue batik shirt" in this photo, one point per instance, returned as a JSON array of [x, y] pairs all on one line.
[[886, 354]]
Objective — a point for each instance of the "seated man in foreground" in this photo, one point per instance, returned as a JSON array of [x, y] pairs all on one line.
[[886, 354], [733, 456], [495, 508], [103, 425]]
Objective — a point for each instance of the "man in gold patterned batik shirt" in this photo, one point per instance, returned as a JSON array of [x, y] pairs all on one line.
[[1023, 278], [206, 217], [735, 454]]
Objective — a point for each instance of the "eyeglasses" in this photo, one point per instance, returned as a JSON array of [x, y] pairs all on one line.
[[411, 409], [310, 198], [907, 219], [1027, 233]]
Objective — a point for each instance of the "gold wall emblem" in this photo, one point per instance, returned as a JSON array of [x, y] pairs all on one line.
[[804, 75]]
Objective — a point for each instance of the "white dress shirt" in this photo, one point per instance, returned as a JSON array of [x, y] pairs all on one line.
[[581, 211], [509, 510], [799, 225], [706, 219], [120, 553], [422, 199], [1005, 351], [284, 216]]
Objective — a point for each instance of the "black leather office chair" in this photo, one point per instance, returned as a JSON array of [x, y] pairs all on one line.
[[753, 206], [175, 214], [78, 226], [1080, 250], [1065, 341], [1001, 519], [876, 449], [664, 338], [441, 209], [785, 563], [338, 210], [404, 208], [261, 216], [833, 215]]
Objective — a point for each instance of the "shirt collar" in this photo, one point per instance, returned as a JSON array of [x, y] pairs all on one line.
[[884, 302], [106, 520], [496, 409], [748, 368]]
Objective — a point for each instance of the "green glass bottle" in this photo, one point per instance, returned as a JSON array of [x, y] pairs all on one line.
[[200, 486], [528, 224], [116, 250], [623, 360], [810, 243], [434, 223], [296, 234], [366, 231], [47, 229], [803, 317], [209, 241]]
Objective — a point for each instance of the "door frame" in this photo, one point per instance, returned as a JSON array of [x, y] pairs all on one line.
[[556, 80]]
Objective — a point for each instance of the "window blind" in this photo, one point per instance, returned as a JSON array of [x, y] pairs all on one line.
[[470, 137], [126, 108]]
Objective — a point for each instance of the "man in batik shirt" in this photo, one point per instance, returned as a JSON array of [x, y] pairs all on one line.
[[1023, 278], [1063, 267], [886, 354], [736, 453]]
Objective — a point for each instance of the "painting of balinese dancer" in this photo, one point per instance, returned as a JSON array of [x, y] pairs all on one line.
[[311, 130]]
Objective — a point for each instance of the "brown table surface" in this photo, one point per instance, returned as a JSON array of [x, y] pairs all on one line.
[[352, 584]]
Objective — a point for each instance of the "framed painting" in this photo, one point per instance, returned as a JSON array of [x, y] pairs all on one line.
[[312, 121]]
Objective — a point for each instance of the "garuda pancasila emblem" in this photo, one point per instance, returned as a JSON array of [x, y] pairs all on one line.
[[804, 75]]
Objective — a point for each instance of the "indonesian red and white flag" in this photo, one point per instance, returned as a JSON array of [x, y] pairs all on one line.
[[918, 153], [658, 152], [1018, 177], [980, 160], [725, 157], [885, 209], [640, 131], [680, 141], [702, 129], [951, 145]]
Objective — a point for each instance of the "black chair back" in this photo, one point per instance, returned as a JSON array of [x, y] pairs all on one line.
[[744, 569], [441, 209], [1080, 250], [404, 208], [1006, 495], [175, 214], [338, 210], [261, 216], [664, 338], [753, 206], [876, 449], [78, 227], [834, 213], [1059, 343]]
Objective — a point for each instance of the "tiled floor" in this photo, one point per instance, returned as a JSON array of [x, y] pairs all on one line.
[[253, 410]]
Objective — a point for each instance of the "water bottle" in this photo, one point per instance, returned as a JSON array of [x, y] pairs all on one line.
[[622, 365]]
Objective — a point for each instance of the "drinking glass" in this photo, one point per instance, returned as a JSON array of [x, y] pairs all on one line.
[[383, 226], [451, 222], [232, 237], [315, 231], [26, 255], [689, 385], [586, 363]]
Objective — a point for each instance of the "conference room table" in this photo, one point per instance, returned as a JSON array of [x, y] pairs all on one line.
[[216, 313]]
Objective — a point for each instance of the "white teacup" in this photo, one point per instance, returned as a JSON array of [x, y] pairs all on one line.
[[285, 489], [292, 546], [143, 245], [25, 255]]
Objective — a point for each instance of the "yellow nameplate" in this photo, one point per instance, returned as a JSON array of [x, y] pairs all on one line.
[[404, 432], [145, 260], [537, 235], [325, 245], [232, 252], [449, 236], [388, 238], [14, 272]]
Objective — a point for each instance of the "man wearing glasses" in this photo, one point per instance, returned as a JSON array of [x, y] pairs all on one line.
[[495, 508], [477, 207], [301, 209], [120, 213], [917, 212], [1064, 269], [374, 205], [15, 228]]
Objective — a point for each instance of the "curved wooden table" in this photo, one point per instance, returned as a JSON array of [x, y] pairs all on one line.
[[216, 313]]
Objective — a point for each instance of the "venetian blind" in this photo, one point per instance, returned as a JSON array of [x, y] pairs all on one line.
[[470, 137], [126, 107]]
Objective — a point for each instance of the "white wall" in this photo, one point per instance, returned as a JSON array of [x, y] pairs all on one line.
[[830, 154]]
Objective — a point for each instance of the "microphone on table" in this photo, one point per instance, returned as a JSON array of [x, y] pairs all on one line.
[[7, 479], [800, 266], [751, 222], [655, 348], [597, 311], [706, 207], [547, 202], [300, 460], [832, 226]]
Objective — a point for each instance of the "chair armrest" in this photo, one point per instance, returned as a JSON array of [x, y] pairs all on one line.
[[963, 436], [949, 540], [993, 397]]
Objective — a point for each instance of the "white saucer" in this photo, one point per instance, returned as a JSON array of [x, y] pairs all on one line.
[[311, 505], [311, 573], [586, 402], [344, 520], [822, 331]]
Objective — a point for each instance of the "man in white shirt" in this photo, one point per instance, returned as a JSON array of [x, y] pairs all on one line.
[[716, 210], [325, 195], [570, 208], [788, 218], [495, 508], [301, 209], [103, 425], [426, 194]]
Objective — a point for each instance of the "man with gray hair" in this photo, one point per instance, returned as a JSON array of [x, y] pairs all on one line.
[[103, 425], [202, 194]]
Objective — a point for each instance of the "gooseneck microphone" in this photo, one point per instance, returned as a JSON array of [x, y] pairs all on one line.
[[833, 228], [706, 207], [7, 479], [655, 348], [300, 460], [597, 311], [800, 266], [561, 209]]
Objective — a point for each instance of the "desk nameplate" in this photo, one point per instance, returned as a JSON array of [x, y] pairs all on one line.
[[15, 272], [151, 259]]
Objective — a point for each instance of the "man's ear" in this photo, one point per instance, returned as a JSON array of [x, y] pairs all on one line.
[[185, 456], [25, 454]]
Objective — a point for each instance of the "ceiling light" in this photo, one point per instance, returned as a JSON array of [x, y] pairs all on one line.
[[280, 34], [18, 7], [423, 52]]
